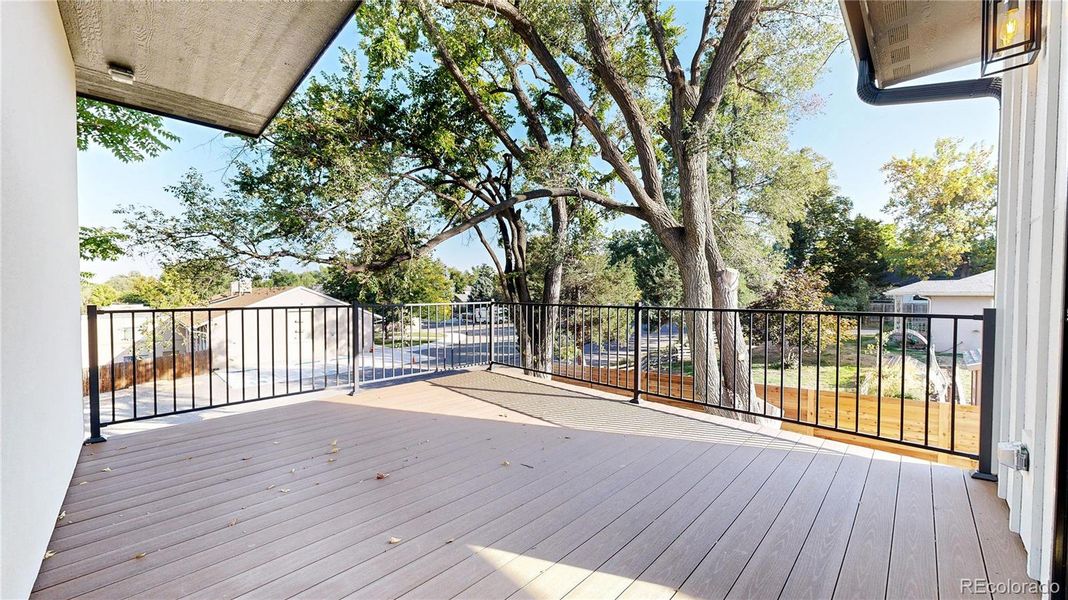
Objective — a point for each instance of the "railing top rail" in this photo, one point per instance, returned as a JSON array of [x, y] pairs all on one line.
[[365, 305], [839, 313], [842, 313], [405, 305], [214, 309]]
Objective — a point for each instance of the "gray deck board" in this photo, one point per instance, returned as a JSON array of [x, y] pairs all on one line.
[[765, 574], [599, 499], [720, 568], [815, 571], [913, 569], [957, 542]]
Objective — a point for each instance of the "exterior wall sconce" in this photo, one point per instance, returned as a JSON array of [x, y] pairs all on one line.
[[1012, 32], [121, 73]]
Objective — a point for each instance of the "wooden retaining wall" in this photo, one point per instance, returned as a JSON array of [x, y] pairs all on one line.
[[879, 418]]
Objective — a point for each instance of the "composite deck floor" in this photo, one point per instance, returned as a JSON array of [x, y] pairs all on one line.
[[495, 486]]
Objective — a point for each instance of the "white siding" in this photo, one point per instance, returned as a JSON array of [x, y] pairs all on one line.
[[291, 330], [969, 333], [40, 387], [1030, 282]]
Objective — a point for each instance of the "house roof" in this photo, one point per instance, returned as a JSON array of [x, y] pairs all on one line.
[[976, 285], [258, 295], [907, 40], [243, 300], [230, 65]]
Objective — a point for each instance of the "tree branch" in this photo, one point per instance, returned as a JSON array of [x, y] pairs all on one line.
[[702, 43], [468, 224], [740, 21], [632, 114], [526, 107], [655, 210], [446, 58]]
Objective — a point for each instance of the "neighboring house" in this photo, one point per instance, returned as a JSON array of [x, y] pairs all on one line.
[[967, 296], [120, 335], [303, 323]]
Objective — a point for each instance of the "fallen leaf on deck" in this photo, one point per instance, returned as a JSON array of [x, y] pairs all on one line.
[[275, 443], [394, 540], [123, 447], [329, 460], [333, 443], [293, 470], [105, 470], [335, 450], [284, 490], [232, 522], [270, 486], [381, 475], [246, 458], [49, 554], [505, 463], [82, 482], [140, 555], [449, 541], [61, 516], [526, 465]]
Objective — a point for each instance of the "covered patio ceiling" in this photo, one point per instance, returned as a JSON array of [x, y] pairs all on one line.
[[906, 40], [230, 65]]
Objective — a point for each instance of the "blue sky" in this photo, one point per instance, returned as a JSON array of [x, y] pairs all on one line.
[[857, 138]]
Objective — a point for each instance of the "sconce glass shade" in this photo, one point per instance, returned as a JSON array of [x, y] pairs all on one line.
[[1012, 31]]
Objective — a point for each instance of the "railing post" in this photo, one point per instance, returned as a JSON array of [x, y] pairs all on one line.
[[492, 322], [356, 322], [986, 406], [94, 377], [637, 351]]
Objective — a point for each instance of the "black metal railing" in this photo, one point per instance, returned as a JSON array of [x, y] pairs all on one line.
[[910, 379], [416, 339], [921, 380], [145, 363]]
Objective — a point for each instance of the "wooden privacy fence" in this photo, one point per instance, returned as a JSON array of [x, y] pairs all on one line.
[[124, 374]]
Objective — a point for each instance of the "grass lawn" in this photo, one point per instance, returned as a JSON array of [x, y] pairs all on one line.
[[406, 339], [847, 376]]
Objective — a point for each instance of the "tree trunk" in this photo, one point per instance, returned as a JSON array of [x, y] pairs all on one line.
[[718, 347], [534, 324], [700, 332], [734, 356], [552, 286]]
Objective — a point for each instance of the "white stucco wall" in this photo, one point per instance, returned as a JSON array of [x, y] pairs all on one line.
[[1033, 187], [40, 396]]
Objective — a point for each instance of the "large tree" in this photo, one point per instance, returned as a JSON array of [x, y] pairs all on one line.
[[662, 127], [564, 102], [849, 250], [943, 206]]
